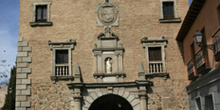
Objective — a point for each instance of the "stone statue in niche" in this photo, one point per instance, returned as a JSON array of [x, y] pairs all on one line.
[[107, 31], [108, 64]]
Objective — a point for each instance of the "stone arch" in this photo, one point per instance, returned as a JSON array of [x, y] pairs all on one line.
[[110, 102], [93, 95]]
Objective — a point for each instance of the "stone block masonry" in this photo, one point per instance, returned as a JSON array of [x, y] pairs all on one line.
[[22, 81]]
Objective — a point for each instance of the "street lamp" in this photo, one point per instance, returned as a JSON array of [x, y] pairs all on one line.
[[198, 39], [10, 92]]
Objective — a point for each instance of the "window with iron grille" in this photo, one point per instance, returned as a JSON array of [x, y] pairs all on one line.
[[41, 13], [168, 10]]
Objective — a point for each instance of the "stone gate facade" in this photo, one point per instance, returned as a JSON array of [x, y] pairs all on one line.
[[75, 54]]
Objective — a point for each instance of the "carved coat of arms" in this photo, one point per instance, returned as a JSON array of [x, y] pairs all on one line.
[[107, 14]]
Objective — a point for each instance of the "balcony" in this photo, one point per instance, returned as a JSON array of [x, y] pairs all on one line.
[[202, 65], [190, 70], [216, 41], [156, 67], [61, 70]]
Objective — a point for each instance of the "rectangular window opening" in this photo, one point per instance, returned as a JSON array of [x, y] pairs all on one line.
[[41, 13], [155, 54], [61, 56], [209, 103], [62, 67], [198, 104], [218, 12], [155, 60], [168, 10]]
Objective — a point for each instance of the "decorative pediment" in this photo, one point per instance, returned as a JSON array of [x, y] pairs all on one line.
[[68, 44]]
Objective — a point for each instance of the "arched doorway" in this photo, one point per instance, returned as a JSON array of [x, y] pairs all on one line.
[[110, 102]]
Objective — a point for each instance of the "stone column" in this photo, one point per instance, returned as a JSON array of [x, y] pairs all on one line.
[[77, 103], [143, 97], [77, 99], [143, 102]]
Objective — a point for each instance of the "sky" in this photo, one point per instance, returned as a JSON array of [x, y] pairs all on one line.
[[9, 17]]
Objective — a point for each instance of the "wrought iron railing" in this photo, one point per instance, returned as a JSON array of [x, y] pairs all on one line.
[[216, 41], [190, 67], [61, 70], [200, 58], [156, 67]]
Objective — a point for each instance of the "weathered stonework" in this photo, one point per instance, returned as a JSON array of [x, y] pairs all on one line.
[[22, 81], [50, 96], [76, 19]]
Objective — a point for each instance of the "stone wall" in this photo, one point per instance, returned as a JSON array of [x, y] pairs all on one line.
[[168, 95], [76, 19], [50, 96]]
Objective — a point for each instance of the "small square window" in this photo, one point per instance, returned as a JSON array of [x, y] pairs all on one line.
[[41, 13], [168, 10]]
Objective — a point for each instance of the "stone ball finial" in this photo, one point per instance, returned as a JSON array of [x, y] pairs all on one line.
[[145, 37], [163, 37], [71, 40], [49, 41]]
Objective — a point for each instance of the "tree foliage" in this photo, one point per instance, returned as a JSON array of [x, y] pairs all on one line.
[[12, 84]]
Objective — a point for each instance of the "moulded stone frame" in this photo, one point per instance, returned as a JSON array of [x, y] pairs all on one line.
[[213, 100], [84, 94], [40, 3], [117, 66], [69, 46], [175, 19], [200, 98], [162, 43]]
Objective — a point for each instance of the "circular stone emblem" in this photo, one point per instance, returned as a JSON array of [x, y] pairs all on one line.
[[107, 14]]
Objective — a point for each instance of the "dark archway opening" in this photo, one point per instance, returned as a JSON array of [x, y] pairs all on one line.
[[110, 102]]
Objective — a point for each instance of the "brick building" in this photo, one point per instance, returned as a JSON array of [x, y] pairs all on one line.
[[202, 58], [96, 54]]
